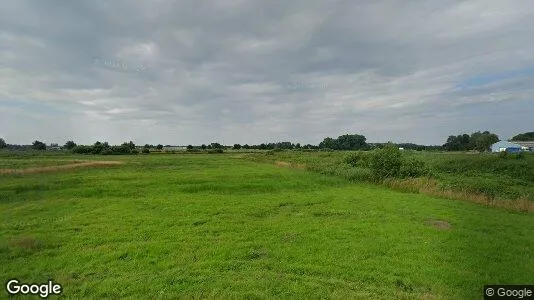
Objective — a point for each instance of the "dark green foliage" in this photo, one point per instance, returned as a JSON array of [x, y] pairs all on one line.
[[480, 141], [359, 159], [122, 149], [527, 136], [237, 146], [159, 147], [412, 167], [37, 145], [107, 151], [189, 147], [145, 150], [81, 149], [386, 162], [98, 147], [130, 145], [345, 142], [502, 165], [70, 145], [2, 143], [216, 146]]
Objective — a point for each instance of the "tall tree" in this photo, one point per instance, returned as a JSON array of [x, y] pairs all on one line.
[[38, 145], [328, 143], [345, 142], [2, 143], [69, 145], [481, 141]]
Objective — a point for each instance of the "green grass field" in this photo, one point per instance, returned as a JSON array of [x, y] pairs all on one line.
[[224, 226]]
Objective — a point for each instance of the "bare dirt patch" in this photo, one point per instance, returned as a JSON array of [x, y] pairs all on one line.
[[439, 224], [286, 164], [83, 164], [27, 243]]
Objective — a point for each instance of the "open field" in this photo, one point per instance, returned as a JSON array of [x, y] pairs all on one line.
[[225, 226]]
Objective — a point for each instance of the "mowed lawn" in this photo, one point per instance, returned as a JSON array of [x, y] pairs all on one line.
[[219, 226]]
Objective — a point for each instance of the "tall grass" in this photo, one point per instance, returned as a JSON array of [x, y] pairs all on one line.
[[505, 181]]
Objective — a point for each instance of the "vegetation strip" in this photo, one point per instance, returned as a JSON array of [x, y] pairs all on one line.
[[498, 180]]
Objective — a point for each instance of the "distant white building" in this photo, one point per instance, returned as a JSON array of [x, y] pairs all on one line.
[[526, 145], [54, 147], [504, 146], [174, 148]]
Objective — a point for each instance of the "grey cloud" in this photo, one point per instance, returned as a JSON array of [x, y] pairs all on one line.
[[254, 71]]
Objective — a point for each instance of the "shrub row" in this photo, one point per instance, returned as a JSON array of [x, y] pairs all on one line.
[[388, 162]]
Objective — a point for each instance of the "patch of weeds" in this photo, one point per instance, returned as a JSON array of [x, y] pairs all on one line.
[[200, 222], [27, 243], [290, 237], [330, 214], [256, 253]]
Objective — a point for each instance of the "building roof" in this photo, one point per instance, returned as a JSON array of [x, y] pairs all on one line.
[[525, 143], [505, 144]]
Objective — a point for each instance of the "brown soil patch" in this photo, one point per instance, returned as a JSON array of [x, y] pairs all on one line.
[[28, 243], [286, 164], [440, 224], [61, 167]]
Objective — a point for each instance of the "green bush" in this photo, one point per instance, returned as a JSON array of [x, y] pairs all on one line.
[[107, 151], [386, 162], [413, 167], [358, 159], [146, 151], [390, 162], [80, 149]]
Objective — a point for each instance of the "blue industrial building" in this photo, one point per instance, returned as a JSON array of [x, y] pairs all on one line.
[[505, 146]]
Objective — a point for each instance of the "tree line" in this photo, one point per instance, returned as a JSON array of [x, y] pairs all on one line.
[[479, 141]]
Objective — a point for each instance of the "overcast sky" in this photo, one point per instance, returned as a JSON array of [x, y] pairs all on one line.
[[250, 71]]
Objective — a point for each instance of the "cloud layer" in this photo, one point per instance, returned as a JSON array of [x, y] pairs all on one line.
[[243, 71]]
